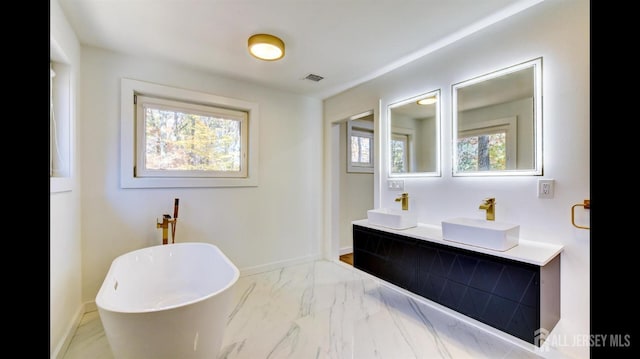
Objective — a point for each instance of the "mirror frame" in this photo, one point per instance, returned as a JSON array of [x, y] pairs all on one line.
[[537, 169], [438, 132]]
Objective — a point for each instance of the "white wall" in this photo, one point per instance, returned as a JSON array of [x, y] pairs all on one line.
[[256, 227], [65, 303], [557, 30]]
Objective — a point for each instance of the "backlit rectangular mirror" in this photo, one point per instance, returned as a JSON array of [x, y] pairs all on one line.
[[414, 136], [497, 122]]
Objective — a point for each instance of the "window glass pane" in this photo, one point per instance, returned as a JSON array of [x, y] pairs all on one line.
[[178, 140], [364, 150], [360, 149], [355, 149]]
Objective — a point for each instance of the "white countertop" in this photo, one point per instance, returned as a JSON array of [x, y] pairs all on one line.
[[532, 252]]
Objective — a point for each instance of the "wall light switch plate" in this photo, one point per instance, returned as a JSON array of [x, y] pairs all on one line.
[[546, 188], [395, 185]]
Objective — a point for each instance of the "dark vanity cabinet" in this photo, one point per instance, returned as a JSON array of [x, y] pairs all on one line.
[[386, 256], [515, 297]]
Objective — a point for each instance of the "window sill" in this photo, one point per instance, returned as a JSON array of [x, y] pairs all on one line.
[[142, 182]]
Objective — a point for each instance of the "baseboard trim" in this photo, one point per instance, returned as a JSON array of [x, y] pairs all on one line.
[[63, 345], [277, 265], [346, 250]]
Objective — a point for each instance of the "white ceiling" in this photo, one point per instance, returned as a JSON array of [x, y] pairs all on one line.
[[345, 41]]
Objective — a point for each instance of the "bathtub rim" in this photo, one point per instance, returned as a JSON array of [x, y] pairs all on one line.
[[99, 297]]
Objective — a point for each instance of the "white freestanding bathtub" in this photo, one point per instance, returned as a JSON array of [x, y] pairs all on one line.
[[167, 301]]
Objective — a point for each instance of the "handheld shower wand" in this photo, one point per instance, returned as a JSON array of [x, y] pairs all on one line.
[[176, 204]]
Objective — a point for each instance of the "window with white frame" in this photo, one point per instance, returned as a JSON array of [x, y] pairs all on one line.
[[360, 145], [174, 137], [52, 123], [179, 139], [61, 104]]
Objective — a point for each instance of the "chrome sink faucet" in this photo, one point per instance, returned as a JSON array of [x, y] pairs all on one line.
[[404, 199], [489, 204]]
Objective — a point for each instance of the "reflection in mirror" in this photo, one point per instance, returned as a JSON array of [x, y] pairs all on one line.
[[497, 122], [414, 136]]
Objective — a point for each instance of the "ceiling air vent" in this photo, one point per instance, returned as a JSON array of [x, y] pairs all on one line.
[[313, 77]]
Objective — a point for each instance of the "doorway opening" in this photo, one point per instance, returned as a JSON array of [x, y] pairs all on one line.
[[352, 181]]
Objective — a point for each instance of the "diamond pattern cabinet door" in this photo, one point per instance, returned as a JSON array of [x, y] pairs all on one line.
[[519, 283], [515, 297], [365, 251], [496, 291], [486, 275], [386, 256], [401, 262]]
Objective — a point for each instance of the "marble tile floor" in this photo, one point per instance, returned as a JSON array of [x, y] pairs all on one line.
[[323, 309]]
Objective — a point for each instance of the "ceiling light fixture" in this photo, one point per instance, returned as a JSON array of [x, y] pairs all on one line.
[[266, 47], [427, 101]]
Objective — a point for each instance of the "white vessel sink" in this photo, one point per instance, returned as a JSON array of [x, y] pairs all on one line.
[[499, 236], [392, 218]]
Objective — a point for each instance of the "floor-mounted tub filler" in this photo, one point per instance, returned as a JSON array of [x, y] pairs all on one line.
[[167, 301]]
